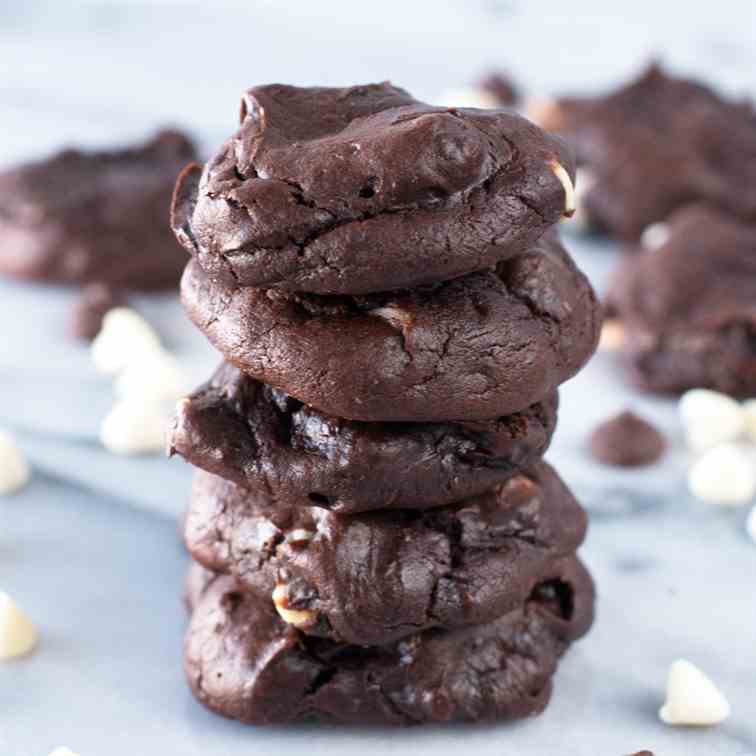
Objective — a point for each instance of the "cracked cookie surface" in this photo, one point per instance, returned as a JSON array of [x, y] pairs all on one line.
[[375, 577], [244, 662], [688, 307], [81, 217], [365, 189], [272, 444], [656, 144], [488, 344]]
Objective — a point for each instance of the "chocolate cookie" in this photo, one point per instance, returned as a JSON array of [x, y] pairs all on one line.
[[80, 217], [627, 440], [350, 191], [656, 144], [372, 578], [244, 662], [276, 446], [486, 345], [688, 307]]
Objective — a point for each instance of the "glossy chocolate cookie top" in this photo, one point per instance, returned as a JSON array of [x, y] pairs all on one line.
[[244, 662], [274, 445], [80, 217], [482, 346], [365, 189], [656, 144], [688, 307], [375, 577]]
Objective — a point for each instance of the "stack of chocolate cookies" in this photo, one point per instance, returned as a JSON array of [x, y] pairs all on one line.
[[379, 538]]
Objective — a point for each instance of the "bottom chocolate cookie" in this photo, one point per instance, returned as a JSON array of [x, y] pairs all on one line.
[[244, 662]]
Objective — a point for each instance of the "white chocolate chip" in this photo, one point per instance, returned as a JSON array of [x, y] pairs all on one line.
[[612, 335], [394, 316], [749, 418], [154, 375], [723, 475], [296, 617], [124, 337], [468, 98], [134, 427], [17, 634], [299, 536], [710, 418], [569, 189], [14, 469], [63, 751], [692, 698], [655, 235]]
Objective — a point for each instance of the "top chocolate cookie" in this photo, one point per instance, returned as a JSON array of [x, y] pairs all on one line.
[[365, 189], [654, 145], [82, 217]]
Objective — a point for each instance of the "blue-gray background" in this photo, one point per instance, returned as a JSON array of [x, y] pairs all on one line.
[[90, 548]]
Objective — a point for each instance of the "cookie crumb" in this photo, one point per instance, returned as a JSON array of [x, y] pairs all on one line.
[[692, 698], [17, 634], [14, 469], [627, 440]]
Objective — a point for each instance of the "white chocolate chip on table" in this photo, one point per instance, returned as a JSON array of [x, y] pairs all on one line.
[[153, 376], [135, 427], [18, 635], [692, 698], [14, 469], [124, 337], [63, 751], [710, 418], [725, 475]]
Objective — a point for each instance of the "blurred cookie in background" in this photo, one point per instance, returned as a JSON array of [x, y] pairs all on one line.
[[653, 145], [102, 216], [686, 309]]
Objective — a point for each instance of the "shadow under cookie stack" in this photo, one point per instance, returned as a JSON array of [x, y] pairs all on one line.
[[379, 539]]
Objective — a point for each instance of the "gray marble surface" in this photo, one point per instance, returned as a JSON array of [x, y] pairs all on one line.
[[90, 547]]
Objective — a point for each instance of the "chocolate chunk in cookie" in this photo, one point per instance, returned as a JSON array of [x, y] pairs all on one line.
[[81, 217], [244, 662], [627, 440], [274, 445], [375, 577], [656, 144], [358, 190], [688, 307], [482, 346]]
